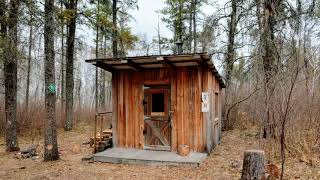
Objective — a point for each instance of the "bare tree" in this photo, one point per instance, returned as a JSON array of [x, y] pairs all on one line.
[[230, 57], [269, 56]]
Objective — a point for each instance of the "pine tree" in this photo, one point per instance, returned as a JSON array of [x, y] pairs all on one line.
[[10, 72], [50, 140], [71, 26]]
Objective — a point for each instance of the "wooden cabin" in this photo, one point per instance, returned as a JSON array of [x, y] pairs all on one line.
[[161, 102]]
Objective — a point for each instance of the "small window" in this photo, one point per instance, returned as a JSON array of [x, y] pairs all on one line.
[[158, 102]]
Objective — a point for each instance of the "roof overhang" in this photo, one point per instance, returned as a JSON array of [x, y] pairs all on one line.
[[139, 63]]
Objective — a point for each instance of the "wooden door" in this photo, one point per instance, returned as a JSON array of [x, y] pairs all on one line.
[[157, 119]]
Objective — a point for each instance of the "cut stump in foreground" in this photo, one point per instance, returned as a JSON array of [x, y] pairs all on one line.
[[253, 165]]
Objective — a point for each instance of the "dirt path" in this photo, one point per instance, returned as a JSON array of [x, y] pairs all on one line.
[[224, 163]]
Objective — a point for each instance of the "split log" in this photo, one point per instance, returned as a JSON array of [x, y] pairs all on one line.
[[103, 140], [253, 165]]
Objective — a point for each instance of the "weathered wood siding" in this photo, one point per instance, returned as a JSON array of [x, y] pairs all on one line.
[[127, 109], [189, 125], [212, 119]]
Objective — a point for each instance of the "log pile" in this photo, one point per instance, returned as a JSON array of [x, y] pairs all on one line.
[[30, 152], [103, 140]]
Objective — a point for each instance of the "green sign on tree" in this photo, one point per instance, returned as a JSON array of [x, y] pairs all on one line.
[[52, 88]]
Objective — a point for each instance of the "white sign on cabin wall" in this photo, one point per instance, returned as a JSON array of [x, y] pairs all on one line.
[[205, 102]]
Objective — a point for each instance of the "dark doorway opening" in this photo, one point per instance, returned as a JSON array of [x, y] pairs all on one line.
[[158, 102]]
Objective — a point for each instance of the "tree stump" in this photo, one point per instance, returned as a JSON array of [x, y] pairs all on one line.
[[253, 165]]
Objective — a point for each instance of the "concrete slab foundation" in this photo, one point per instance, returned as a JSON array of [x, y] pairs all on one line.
[[148, 157]]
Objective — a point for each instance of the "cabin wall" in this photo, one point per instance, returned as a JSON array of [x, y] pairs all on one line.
[[212, 119], [128, 114], [188, 119], [219, 102], [200, 130], [127, 109], [189, 125]]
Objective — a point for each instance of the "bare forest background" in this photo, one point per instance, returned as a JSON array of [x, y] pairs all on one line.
[[267, 51]]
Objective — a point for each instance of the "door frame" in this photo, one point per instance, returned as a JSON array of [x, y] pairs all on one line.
[[154, 89]]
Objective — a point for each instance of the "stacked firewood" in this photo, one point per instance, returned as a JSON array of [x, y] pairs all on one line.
[[103, 140]]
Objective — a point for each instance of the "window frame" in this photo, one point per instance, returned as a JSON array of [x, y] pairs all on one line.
[[165, 93]]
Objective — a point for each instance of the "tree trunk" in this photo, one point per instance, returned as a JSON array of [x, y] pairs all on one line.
[[159, 37], [10, 73], [72, 6], [190, 37], [114, 29], [122, 49], [103, 77], [29, 63], [62, 71], [50, 139], [267, 38], [253, 165], [230, 60], [102, 89], [195, 26], [97, 56], [79, 98], [231, 36], [179, 22], [3, 24]]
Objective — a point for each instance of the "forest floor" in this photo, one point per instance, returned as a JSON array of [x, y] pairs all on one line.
[[224, 163]]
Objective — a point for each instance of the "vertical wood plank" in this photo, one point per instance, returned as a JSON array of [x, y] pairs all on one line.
[[205, 115], [210, 124], [200, 120], [138, 108], [183, 117], [173, 85], [179, 108], [120, 110], [126, 105], [129, 112], [209, 141], [196, 109], [123, 109], [221, 97], [135, 110], [214, 125], [141, 113], [115, 109], [191, 107]]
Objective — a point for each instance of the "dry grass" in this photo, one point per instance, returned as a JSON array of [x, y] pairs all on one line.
[[224, 163]]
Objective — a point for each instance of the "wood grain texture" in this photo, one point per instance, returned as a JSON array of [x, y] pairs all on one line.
[[115, 109], [189, 126], [174, 115]]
